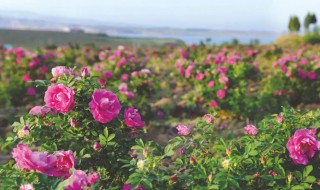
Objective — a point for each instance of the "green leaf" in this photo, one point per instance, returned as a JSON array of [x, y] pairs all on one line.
[[103, 140], [233, 182], [106, 132], [42, 83], [146, 183], [86, 156], [297, 187], [307, 170], [310, 179], [111, 137]]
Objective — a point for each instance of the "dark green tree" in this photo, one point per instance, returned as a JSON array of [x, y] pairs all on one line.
[[294, 24]]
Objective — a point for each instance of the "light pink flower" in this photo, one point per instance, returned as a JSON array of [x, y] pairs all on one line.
[[208, 118], [39, 110], [223, 79], [73, 122], [58, 71], [280, 118], [59, 97], [183, 130], [211, 84], [132, 118], [104, 106], [102, 55], [200, 76], [124, 77], [27, 187], [77, 181], [123, 87], [251, 129], [129, 95], [303, 145]]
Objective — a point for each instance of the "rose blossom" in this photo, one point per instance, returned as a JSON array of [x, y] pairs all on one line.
[[39, 110], [104, 106], [97, 146], [78, 181], [59, 97], [303, 145], [132, 118], [183, 130], [251, 129], [65, 161], [39, 161], [213, 103], [211, 84], [59, 70], [84, 72], [107, 74], [27, 187], [221, 94], [31, 91]]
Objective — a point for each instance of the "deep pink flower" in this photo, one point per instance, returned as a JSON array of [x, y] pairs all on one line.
[[108, 74], [280, 118], [183, 130], [189, 71], [97, 146], [303, 145], [59, 97], [221, 94], [84, 72], [38, 161], [124, 77], [93, 178], [65, 161], [132, 118], [213, 104], [312, 75], [43, 69], [58, 71], [26, 78], [251, 129], [27, 187], [273, 173], [104, 106], [31, 91]]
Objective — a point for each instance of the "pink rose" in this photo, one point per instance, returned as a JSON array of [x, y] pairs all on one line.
[[39, 110], [59, 97], [183, 130], [129, 95], [97, 146], [200, 76], [107, 74], [104, 106], [208, 118], [124, 77], [77, 181], [211, 84], [84, 72], [213, 104], [123, 87], [26, 78], [312, 75], [132, 118], [251, 129], [280, 118], [93, 178], [58, 71], [27, 187], [65, 161], [102, 55], [303, 145], [38, 161], [31, 91], [223, 79], [221, 94]]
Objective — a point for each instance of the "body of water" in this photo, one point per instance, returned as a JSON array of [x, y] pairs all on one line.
[[243, 38]]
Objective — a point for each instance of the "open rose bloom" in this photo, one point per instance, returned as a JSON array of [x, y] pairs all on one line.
[[132, 118], [59, 98], [303, 145], [104, 106], [251, 129]]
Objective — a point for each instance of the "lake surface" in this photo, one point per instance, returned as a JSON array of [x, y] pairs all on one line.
[[243, 38]]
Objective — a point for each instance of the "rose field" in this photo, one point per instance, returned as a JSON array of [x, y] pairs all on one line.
[[171, 117]]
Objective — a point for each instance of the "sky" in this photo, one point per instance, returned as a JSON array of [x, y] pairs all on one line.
[[246, 15]]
